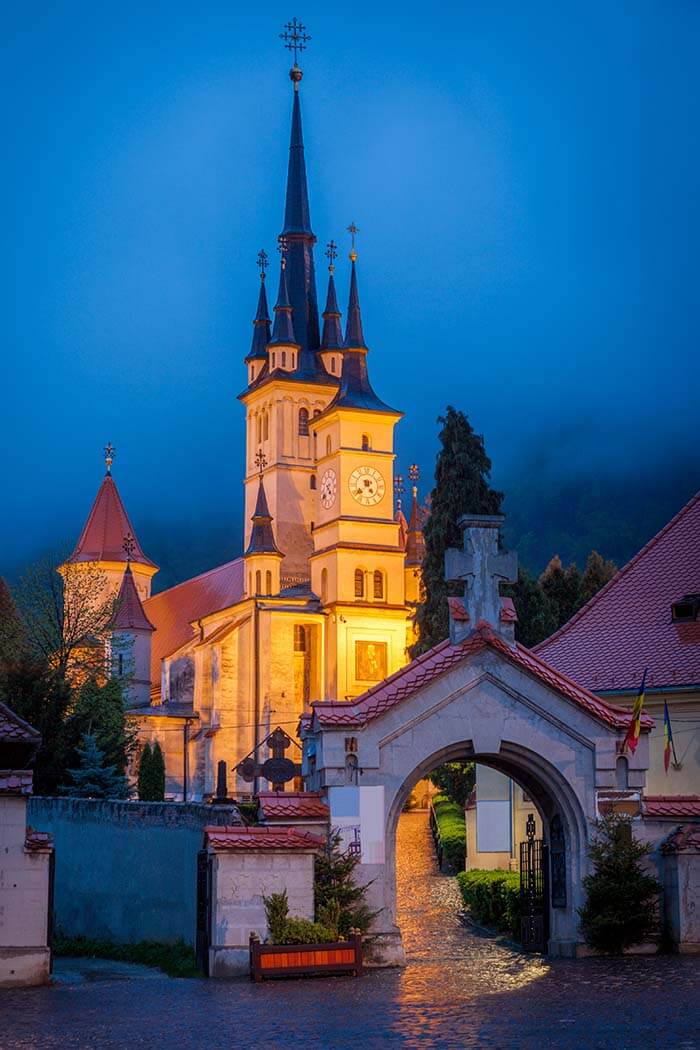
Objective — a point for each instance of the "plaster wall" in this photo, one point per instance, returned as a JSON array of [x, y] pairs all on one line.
[[24, 900], [126, 871], [682, 899]]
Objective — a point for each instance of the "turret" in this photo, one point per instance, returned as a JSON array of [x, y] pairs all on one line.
[[131, 642], [283, 349], [263, 557], [331, 350], [257, 358]]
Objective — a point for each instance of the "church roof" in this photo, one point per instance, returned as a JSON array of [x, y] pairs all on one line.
[[102, 538], [262, 537], [171, 612], [627, 625], [444, 657], [130, 614]]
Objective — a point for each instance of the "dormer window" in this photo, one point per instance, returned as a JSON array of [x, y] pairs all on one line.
[[687, 609]]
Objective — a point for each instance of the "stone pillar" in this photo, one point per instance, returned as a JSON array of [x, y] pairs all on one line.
[[681, 852]]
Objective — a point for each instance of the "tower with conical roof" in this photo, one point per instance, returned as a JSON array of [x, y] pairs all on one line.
[[131, 633], [262, 557]]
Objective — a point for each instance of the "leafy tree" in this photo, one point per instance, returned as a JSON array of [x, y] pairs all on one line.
[[455, 780], [151, 775], [562, 587], [621, 907], [597, 573], [537, 616], [13, 635], [462, 474], [337, 897], [93, 777]]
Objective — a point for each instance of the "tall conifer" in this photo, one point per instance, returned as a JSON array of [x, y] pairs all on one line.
[[462, 473]]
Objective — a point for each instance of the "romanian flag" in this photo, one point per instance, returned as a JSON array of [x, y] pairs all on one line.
[[668, 738], [635, 727]]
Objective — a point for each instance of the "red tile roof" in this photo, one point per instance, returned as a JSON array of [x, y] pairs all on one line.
[[172, 611], [260, 838], [13, 728], [35, 841], [15, 782], [293, 805], [685, 838], [130, 614], [445, 656], [627, 625], [673, 806], [102, 538]]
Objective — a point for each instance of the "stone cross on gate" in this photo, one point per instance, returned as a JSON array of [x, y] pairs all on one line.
[[482, 567]]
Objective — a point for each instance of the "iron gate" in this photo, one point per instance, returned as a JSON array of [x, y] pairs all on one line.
[[534, 891]]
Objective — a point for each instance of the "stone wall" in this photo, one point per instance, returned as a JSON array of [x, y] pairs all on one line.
[[126, 871]]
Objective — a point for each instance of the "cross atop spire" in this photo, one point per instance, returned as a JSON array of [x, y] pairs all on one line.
[[262, 263], [331, 254], [109, 456], [353, 230], [295, 39]]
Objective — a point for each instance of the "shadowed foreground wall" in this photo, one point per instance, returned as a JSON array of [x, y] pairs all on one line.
[[126, 871]]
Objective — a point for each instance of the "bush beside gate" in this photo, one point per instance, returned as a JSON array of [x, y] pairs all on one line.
[[493, 897], [449, 833]]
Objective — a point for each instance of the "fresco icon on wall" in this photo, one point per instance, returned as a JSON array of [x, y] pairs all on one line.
[[370, 661]]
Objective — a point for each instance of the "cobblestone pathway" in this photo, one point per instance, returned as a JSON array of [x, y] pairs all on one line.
[[458, 990]]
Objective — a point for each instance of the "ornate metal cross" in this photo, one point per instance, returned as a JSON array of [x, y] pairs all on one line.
[[414, 477], [260, 461], [399, 489], [295, 37], [262, 263], [283, 248], [109, 456], [129, 546], [353, 230], [331, 254]]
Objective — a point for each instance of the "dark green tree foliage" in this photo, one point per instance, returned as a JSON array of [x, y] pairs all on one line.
[[338, 899], [562, 587], [151, 775], [621, 902], [462, 473], [13, 636], [597, 573], [100, 710], [455, 780], [93, 777], [537, 615]]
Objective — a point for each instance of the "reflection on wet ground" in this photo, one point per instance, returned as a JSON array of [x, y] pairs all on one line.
[[459, 989]]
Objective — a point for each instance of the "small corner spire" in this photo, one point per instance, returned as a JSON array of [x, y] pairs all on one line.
[[109, 451], [261, 323], [354, 336], [332, 335], [283, 328], [415, 542]]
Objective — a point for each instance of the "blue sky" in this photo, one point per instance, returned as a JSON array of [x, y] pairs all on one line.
[[525, 182]]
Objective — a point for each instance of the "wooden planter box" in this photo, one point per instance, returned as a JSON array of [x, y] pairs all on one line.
[[285, 960]]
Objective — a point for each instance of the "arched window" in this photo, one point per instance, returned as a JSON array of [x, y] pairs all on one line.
[[622, 773], [258, 428], [312, 481], [284, 359], [266, 426], [258, 582], [268, 582], [273, 360], [366, 443], [324, 585], [328, 446], [332, 364], [378, 585], [250, 583], [359, 583], [303, 422], [299, 638]]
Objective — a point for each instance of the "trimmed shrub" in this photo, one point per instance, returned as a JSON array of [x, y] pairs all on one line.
[[288, 930], [449, 832], [493, 897]]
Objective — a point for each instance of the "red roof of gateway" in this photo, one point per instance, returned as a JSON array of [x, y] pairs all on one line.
[[627, 625], [293, 805], [443, 657], [260, 838], [673, 806], [102, 538], [172, 611]]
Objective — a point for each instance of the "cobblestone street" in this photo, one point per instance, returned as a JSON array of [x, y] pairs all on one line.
[[458, 990]]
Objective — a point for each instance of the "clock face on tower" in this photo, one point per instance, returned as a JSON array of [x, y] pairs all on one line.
[[329, 487], [366, 486]]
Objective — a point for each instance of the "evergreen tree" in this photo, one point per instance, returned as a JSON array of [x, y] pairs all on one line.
[[597, 573], [338, 900], [93, 777], [537, 616], [562, 587], [13, 636], [100, 710], [620, 907], [151, 776], [462, 474]]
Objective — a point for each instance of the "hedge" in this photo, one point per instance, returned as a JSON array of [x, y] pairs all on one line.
[[449, 831], [493, 897]]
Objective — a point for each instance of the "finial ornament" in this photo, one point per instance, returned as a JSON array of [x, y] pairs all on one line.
[[353, 230], [262, 263], [295, 40], [399, 489], [260, 461], [109, 451], [129, 546], [283, 248], [331, 255]]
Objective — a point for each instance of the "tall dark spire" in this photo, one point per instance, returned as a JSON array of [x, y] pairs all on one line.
[[300, 238], [261, 325], [283, 329], [354, 336], [415, 541], [262, 538], [332, 337]]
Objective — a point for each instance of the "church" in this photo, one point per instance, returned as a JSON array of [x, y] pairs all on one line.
[[321, 605]]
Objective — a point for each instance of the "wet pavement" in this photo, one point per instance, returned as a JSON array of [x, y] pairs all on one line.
[[459, 989]]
